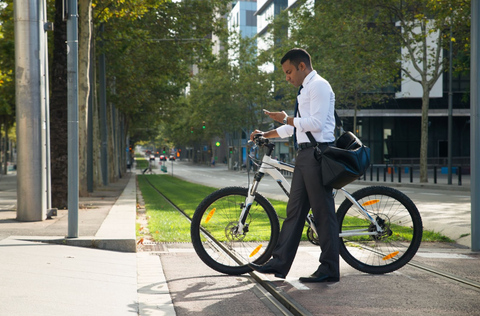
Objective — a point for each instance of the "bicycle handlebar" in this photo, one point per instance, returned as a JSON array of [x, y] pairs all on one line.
[[261, 141]]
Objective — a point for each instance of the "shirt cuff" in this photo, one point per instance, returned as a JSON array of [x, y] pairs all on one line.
[[285, 131]]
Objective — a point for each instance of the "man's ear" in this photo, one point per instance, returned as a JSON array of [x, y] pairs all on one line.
[[302, 66]]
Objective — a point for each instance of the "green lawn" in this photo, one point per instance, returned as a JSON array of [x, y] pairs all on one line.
[[167, 225], [142, 162]]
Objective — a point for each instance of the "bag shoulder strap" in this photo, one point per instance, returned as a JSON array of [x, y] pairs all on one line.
[[338, 123]]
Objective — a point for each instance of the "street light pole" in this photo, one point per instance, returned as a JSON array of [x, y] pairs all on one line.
[[30, 95], [72, 78], [450, 108], [474, 125]]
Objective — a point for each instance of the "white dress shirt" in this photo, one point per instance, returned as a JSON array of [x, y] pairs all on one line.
[[316, 106]]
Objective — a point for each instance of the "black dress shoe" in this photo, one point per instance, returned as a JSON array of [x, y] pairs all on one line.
[[318, 277], [266, 269]]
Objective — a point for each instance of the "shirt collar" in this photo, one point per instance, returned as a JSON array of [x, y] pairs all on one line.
[[309, 77]]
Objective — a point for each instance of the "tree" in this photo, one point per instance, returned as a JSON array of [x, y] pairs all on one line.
[[230, 91], [357, 44], [84, 88], [422, 28], [58, 112], [346, 49], [151, 57], [7, 77]]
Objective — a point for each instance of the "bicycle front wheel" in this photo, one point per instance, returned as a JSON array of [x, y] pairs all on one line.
[[399, 240], [220, 243]]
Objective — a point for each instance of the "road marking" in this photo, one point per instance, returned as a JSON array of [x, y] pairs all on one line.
[[442, 255], [297, 284]]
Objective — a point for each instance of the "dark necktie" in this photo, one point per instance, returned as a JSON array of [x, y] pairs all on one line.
[[295, 143]]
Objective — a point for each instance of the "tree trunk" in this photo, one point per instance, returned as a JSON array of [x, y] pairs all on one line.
[[58, 112], [5, 147], [424, 137], [85, 34], [97, 165], [112, 173]]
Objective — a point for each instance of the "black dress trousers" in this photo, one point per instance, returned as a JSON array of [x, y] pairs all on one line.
[[307, 191]]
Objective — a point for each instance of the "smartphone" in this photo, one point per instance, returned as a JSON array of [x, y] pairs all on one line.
[[266, 111]]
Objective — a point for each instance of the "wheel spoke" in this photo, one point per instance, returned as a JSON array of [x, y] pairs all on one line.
[[225, 245], [388, 249]]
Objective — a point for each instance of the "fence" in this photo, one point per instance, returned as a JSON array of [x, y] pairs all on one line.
[[392, 172]]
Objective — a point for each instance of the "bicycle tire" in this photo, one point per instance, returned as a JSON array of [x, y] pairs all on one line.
[[385, 253], [214, 219]]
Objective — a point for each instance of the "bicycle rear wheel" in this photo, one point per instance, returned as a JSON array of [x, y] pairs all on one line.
[[400, 220], [214, 235]]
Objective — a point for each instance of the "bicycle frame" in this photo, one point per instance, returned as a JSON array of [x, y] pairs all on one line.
[[272, 166]]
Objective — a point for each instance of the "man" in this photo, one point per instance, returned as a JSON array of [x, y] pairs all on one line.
[[315, 114]]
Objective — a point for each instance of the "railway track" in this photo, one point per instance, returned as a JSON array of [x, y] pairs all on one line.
[[286, 305]]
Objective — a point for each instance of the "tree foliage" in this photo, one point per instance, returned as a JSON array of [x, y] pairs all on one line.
[[356, 46], [7, 60], [150, 56], [346, 48], [229, 94], [422, 28]]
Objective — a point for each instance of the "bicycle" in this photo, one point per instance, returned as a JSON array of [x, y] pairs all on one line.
[[380, 227]]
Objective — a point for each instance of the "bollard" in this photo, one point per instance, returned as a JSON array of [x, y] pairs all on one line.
[[411, 174], [459, 175], [371, 172], [378, 174], [385, 174], [399, 174], [435, 174], [392, 173]]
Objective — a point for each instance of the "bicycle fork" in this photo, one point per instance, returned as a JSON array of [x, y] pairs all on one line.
[[365, 213], [241, 227]]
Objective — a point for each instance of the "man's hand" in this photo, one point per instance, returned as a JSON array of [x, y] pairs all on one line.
[[276, 116]]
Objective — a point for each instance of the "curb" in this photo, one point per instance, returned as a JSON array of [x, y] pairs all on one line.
[[116, 233]]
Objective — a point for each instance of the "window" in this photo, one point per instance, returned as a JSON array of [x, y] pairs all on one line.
[[251, 19]]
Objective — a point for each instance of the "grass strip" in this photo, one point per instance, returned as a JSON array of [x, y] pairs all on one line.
[[142, 163], [168, 225]]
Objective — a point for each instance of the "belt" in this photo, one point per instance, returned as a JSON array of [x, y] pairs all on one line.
[[308, 145]]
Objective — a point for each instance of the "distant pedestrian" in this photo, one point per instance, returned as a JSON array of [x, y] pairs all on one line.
[[213, 162]]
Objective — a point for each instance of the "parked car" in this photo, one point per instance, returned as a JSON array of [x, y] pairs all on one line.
[[172, 157], [163, 158]]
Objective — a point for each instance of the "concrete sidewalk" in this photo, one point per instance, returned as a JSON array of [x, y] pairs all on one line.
[[45, 273]]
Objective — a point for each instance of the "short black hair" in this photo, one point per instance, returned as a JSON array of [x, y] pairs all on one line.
[[296, 56]]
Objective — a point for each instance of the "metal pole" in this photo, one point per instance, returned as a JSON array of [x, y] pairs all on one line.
[[72, 78], [48, 179], [103, 111], [474, 125], [29, 34], [450, 106]]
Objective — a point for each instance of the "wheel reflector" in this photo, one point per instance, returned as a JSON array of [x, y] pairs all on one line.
[[390, 256], [371, 202], [209, 216], [254, 252]]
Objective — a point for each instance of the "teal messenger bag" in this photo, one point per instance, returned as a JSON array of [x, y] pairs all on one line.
[[344, 162]]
